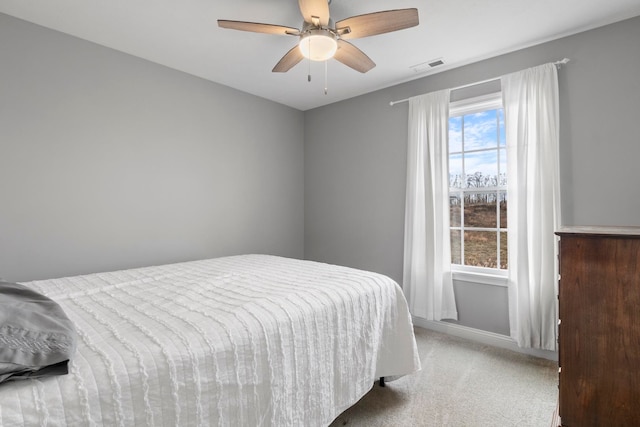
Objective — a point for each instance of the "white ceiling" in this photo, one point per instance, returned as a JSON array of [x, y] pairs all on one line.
[[183, 34]]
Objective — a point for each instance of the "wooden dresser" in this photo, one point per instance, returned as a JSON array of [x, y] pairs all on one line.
[[599, 328]]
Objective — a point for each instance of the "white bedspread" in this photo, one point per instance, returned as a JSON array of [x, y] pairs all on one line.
[[251, 340]]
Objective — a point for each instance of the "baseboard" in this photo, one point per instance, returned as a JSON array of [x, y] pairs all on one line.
[[484, 337]]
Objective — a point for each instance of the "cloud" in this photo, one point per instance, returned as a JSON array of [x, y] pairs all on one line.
[[480, 131]]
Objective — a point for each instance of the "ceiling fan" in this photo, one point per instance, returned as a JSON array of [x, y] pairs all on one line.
[[321, 39]]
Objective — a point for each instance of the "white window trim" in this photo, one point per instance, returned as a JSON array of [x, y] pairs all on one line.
[[465, 273], [484, 276], [476, 104]]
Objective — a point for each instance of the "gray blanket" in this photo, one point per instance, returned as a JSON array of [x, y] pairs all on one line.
[[37, 339]]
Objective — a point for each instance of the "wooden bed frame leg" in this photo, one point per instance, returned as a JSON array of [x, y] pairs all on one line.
[[382, 382]]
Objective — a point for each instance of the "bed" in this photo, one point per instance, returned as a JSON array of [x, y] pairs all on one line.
[[251, 340]]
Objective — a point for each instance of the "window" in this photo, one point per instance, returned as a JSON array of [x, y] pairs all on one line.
[[478, 185]]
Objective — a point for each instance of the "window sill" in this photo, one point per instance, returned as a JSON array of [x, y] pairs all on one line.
[[480, 278]]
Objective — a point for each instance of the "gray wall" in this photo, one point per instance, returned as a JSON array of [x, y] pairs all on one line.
[[108, 161], [355, 157]]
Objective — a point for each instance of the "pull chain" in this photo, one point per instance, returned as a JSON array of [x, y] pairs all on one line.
[[326, 90], [309, 62]]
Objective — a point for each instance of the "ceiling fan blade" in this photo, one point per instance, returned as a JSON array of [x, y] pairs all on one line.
[[353, 57], [257, 27], [375, 23], [290, 59], [315, 8]]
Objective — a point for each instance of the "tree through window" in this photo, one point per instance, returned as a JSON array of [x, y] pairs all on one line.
[[478, 185]]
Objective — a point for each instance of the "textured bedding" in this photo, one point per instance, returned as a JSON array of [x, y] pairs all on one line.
[[250, 340]]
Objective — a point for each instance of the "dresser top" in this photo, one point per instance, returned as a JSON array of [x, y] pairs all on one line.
[[600, 230]]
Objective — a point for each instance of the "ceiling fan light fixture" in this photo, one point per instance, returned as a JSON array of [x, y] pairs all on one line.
[[318, 44]]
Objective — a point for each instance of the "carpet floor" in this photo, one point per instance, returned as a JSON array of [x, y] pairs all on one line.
[[462, 383]]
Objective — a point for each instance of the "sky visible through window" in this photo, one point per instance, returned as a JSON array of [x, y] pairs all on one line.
[[482, 131], [477, 181]]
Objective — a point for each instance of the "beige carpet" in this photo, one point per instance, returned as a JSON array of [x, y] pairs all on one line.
[[462, 383]]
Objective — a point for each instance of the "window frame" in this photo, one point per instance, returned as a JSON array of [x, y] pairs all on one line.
[[466, 273]]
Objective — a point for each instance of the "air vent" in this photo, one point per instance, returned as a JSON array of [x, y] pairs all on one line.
[[425, 66]]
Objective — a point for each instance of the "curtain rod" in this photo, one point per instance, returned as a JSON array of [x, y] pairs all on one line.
[[557, 64]]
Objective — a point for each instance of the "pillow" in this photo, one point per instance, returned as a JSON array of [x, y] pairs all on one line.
[[37, 339]]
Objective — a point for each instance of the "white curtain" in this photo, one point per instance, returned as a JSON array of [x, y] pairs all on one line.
[[530, 100], [427, 253]]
